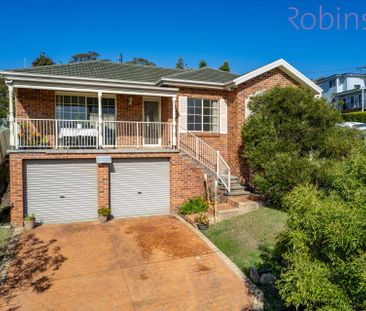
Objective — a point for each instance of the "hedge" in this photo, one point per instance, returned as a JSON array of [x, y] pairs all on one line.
[[355, 117]]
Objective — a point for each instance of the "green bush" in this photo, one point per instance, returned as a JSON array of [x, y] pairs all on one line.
[[193, 206], [354, 117], [323, 251], [104, 211], [289, 137]]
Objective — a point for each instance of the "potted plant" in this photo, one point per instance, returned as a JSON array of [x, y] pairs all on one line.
[[29, 222], [202, 221], [103, 214]]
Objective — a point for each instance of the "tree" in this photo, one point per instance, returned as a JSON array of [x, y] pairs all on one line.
[[141, 61], [225, 66], [120, 58], [82, 57], [180, 63], [288, 136], [322, 251], [42, 60], [202, 64], [4, 101]]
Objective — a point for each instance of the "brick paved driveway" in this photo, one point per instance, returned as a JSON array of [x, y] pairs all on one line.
[[154, 263]]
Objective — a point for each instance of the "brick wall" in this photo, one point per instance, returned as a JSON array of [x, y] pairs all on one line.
[[103, 185], [126, 112], [186, 180], [215, 140], [236, 113], [35, 104]]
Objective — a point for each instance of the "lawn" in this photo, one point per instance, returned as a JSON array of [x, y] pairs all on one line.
[[5, 235], [246, 240]]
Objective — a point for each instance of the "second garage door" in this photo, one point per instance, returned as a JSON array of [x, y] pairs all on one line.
[[140, 187], [58, 191]]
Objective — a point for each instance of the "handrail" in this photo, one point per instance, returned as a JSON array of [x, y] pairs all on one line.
[[205, 154]]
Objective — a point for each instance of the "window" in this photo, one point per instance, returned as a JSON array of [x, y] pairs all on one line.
[[332, 83], [82, 107], [202, 115]]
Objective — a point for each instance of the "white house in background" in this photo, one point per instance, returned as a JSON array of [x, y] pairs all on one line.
[[348, 88]]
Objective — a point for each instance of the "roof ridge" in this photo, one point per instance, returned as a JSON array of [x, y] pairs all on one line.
[[96, 61]]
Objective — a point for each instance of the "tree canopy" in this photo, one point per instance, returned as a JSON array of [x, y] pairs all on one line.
[[180, 63], [42, 60], [202, 63], [82, 57], [4, 102], [288, 132], [225, 66], [141, 61]]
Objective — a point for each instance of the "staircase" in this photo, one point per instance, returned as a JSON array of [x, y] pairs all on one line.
[[238, 200], [204, 154], [237, 205], [236, 188]]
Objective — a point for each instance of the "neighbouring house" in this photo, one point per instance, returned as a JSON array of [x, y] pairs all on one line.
[[137, 139], [347, 90]]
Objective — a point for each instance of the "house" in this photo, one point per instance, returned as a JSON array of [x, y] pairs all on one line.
[[137, 139], [347, 88]]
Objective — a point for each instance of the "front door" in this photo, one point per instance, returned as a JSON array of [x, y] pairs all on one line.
[[151, 127]]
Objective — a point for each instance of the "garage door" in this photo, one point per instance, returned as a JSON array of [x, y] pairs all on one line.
[[61, 191], [140, 187]]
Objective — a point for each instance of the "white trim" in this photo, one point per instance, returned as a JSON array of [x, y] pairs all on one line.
[[158, 91], [187, 83], [202, 116], [285, 67]]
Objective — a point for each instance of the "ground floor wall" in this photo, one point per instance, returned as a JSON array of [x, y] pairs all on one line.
[[186, 179]]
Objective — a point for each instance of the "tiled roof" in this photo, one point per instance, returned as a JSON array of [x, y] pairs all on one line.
[[129, 72], [103, 70], [205, 74]]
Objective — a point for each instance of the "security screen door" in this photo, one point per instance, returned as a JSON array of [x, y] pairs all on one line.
[[151, 129]]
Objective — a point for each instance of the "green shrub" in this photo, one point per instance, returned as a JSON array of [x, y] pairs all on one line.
[[354, 117], [323, 251], [289, 137], [104, 211], [30, 217], [195, 205]]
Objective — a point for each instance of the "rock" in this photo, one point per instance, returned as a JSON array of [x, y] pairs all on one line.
[[267, 279], [254, 275]]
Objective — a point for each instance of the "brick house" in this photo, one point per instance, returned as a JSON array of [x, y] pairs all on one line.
[[137, 139]]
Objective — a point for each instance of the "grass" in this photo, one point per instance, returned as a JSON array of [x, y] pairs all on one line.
[[5, 236], [244, 238], [247, 239]]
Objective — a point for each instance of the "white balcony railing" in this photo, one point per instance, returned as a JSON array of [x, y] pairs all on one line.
[[50, 133], [125, 134]]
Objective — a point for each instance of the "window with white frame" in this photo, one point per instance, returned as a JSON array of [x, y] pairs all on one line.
[[202, 115], [83, 107]]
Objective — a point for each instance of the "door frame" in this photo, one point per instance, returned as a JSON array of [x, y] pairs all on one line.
[[152, 99]]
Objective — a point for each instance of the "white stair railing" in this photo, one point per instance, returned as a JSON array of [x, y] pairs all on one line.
[[205, 154]]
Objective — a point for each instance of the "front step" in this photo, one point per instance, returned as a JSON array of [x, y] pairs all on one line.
[[237, 205]]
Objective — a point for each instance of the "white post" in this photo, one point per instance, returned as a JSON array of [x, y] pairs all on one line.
[[217, 163], [363, 98], [11, 116], [174, 116], [100, 120]]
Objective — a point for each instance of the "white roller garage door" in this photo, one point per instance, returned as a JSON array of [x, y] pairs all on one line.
[[59, 191], [140, 187]]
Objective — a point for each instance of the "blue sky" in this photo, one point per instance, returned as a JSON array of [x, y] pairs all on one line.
[[246, 33]]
